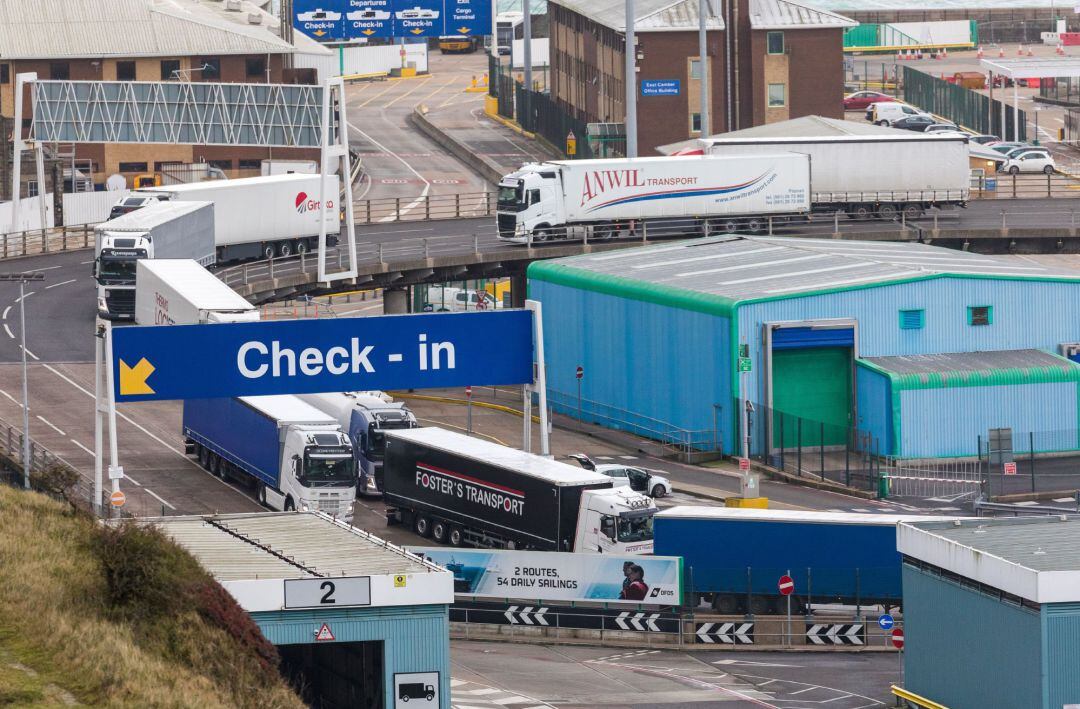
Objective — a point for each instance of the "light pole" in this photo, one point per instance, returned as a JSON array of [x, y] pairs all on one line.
[[630, 71], [22, 278]]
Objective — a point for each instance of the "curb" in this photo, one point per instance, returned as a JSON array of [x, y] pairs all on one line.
[[509, 124], [816, 484], [477, 163]]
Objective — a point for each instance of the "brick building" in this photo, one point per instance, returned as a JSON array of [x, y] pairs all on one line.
[[147, 40], [768, 60]]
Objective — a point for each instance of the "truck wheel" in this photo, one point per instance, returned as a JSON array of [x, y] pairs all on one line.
[[290, 506], [301, 247], [756, 225], [887, 212], [729, 226], [260, 494], [861, 212], [268, 251], [541, 235], [204, 456], [285, 249], [912, 211], [658, 491], [439, 531], [455, 536], [422, 526]]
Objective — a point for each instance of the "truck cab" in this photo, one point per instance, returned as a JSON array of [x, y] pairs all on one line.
[[114, 271], [318, 472], [530, 204], [367, 428], [615, 521]]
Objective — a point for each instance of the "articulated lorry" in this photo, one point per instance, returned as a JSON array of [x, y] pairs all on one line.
[[295, 455], [181, 292], [733, 558], [263, 217], [159, 230], [696, 195], [464, 491], [366, 417], [871, 176]]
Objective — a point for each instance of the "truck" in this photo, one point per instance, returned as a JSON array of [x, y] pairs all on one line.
[[181, 292], [294, 455], [733, 558], [158, 230], [869, 177], [260, 217], [464, 491], [366, 417], [675, 194]]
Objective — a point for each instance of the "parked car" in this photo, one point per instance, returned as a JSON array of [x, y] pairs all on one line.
[[916, 123], [984, 139], [638, 479], [1017, 152], [1006, 147], [884, 113], [1029, 161], [998, 79], [862, 99], [131, 203], [943, 128]]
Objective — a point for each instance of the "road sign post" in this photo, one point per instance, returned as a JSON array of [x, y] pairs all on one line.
[[468, 410], [571, 144], [787, 586], [579, 375], [897, 637]]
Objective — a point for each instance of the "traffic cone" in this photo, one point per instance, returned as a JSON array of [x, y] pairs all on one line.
[[1060, 49], [944, 53], [979, 54], [1030, 53], [1001, 52], [918, 54]]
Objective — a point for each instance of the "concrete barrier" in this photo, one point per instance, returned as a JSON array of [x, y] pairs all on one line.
[[477, 163]]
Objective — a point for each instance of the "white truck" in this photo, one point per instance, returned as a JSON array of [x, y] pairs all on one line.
[[295, 455], [871, 176], [159, 230], [366, 417], [696, 194], [260, 217], [181, 292]]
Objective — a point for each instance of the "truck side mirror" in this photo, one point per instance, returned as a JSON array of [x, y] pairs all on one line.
[[295, 464]]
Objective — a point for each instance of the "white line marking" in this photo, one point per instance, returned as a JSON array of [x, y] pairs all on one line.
[[46, 268], [23, 297], [32, 355], [6, 311], [50, 424], [158, 498], [8, 331], [13, 399], [61, 283], [80, 445], [1026, 503], [427, 185], [808, 689], [1064, 499]]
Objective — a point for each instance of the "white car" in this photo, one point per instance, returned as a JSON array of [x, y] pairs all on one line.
[[319, 15], [368, 15], [417, 13], [1033, 160], [637, 479]]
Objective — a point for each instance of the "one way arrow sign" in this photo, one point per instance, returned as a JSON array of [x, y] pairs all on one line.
[[725, 633], [835, 633], [627, 620], [526, 616]]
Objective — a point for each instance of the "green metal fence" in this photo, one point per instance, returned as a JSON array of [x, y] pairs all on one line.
[[539, 113], [961, 106]]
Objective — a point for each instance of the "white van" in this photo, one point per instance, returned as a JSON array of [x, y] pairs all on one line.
[[884, 113], [456, 300]]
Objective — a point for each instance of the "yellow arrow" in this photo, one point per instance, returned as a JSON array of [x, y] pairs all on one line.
[[368, 32], [133, 379], [318, 33], [417, 31], [463, 30]]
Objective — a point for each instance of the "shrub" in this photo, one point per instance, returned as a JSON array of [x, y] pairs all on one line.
[[57, 480]]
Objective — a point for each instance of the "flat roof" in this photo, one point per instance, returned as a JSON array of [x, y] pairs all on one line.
[[1037, 558], [534, 466], [962, 365], [743, 268], [807, 516], [1033, 67], [286, 407]]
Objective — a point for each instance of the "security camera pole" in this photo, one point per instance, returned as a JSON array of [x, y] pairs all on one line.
[[22, 278]]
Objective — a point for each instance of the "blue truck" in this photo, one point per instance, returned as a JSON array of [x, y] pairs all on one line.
[[733, 558], [294, 455]]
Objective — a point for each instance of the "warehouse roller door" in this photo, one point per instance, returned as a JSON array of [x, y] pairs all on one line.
[[812, 384]]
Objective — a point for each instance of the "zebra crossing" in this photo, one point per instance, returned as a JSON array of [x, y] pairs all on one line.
[[473, 695]]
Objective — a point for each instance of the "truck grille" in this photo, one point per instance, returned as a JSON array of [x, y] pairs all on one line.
[[120, 302], [507, 225], [330, 505]]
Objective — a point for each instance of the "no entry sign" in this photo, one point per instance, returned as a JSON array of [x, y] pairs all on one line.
[[898, 638], [786, 585]]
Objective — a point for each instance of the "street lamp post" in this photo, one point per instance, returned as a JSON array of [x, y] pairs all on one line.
[[22, 278]]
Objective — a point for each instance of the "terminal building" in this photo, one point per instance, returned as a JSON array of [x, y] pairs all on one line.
[[358, 622], [920, 349], [992, 611]]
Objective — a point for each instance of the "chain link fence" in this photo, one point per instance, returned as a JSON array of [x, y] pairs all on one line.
[[963, 107]]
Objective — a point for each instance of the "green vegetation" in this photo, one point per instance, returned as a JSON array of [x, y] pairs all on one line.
[[119, 616]]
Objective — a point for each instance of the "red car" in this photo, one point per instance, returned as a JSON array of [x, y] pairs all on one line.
[[861, 99]]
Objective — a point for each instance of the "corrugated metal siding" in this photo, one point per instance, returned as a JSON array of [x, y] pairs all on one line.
[[948, 422], [780, 14], [1062, 645], [964, 649], [415, 638], [874, 407], [640, 359]]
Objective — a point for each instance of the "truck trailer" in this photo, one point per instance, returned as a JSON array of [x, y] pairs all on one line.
[[697, 195], [160, 230], [733, 558], [464, 491], [181, 292], [295, 456], [871, 176], [263, 217], [366, 417]]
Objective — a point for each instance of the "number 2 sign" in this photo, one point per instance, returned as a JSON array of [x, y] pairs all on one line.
[[331, 592]]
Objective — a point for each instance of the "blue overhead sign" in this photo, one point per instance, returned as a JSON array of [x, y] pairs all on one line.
[[660, 87], [307, 356], [338, 20]]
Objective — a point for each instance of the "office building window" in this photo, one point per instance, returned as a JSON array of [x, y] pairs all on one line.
[[695, 122], [256, 68], [132, 167], [59, 71], [777, 95], [211, 69], [774, 42], [170, 69], [695, 69], [125, 71]]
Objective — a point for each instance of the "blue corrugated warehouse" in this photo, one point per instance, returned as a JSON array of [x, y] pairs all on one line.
[[920, 349], [992, 611]]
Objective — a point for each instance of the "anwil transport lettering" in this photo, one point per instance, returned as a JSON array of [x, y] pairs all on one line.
[[447, 482]]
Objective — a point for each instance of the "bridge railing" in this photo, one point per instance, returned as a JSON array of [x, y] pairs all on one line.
[[427, 207]]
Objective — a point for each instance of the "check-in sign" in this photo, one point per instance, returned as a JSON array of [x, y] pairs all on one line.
[[308, 356]]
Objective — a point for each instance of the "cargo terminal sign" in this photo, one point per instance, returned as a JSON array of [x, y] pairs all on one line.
[[308, 356], [336, 20]]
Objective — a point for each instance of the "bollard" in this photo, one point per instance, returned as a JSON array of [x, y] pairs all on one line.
[[475, 244], [271, 267], [367, 211], [380, 253], [427, 207], [1003, 227], [935, 222], [397, 209], [836, 224], [245, 273], [457, 205], [425, 248]]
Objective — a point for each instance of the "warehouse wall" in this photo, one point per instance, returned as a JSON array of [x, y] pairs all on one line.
[[873, 402], [643, 362], [1062, 633], [967, 649], [948, 422]]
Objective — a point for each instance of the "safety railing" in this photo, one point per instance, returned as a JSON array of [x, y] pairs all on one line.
[[430, 207], [40, 241]]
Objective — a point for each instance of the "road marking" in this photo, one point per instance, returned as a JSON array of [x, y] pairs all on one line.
[[694, 682], [158, 498], [1064, 499], [6, 311], [50, 424], [32, 355], [61, 283], [427, 185], [1025, 503], [80, 445], [83, 263], [392, 101], [462, 428], [361, 105], [27, 295], [46, 268], [13, 399], [8, 331]]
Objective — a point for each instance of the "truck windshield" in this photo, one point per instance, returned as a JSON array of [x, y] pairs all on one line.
[[117, 269], [510, 198], [635, 529], [375, 446], [321, 470]]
